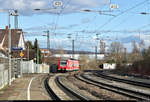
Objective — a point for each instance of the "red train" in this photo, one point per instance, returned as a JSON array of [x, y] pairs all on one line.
[[65, 64]]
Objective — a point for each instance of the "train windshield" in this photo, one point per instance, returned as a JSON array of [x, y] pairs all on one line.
[[63, 63]]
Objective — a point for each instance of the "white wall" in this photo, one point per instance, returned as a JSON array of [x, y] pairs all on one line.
[[3, 76], [76, 56], [109, 66], [31, 67]]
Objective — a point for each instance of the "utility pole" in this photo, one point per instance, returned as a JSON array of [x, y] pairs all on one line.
[[28, 56], [102, 47], [28, 51], [96, 53], [9, 49], [37, 55], [16, 19], [125, 55], [73, 48], [48, 39]]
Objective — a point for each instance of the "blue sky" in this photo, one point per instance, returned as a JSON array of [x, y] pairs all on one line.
[[83, 26]]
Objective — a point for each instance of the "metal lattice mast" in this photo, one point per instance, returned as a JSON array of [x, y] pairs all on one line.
[[48, 40], [16, 19]]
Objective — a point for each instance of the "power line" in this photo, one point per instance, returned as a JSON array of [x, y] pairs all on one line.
[[135, 6]]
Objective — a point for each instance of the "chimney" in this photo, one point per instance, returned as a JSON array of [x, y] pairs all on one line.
[[6, 27]]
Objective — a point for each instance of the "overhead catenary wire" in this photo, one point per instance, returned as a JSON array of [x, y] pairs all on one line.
[[58, 16], [121, 13], [133, 14]]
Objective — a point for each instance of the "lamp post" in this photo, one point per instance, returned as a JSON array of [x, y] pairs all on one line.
[[9, 41], [48, 39], [100, 12], [9, 49], [144, 13], [69, 37]]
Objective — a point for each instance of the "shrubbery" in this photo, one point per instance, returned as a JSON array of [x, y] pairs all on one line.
[[87, 63], [140, 66]]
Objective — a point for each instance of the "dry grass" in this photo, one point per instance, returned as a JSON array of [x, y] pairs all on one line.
[[87, 63]]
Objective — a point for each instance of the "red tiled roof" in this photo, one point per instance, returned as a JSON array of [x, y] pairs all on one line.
[[15, 36], [2, 34]]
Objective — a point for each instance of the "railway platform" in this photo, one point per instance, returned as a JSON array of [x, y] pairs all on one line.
[[28, 87]]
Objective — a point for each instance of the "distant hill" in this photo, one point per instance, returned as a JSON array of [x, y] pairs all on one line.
[[57, 51]]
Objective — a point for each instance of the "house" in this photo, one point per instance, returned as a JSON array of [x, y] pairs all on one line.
[[3, 54], [17, 39], [45, 52]]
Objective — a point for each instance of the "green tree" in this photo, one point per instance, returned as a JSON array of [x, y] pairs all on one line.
[[37, 50], [29, 44]]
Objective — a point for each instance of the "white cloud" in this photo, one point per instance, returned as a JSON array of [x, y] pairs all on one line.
[[26, 7], [37, 4], [90, 3]]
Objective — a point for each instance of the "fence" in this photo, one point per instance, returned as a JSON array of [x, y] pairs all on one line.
[[4, 70], [3, 76], [31, 67], [16, 66]]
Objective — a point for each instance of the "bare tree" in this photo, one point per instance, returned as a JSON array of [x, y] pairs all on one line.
[[116, 48], [116, 52], [83, 62], [135, 48], [135, 55], [141, 45]]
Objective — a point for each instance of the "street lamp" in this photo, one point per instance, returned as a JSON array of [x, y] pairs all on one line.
[[48, 40], [55, 5], [144, 13], [69, 37], [9, 41], [99, 11]]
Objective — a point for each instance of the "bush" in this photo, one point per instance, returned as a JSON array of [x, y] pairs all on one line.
[[87, 63]]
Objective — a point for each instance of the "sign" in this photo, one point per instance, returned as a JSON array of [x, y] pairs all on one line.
[[109, 66], [114, 6], [57, 3], [21, 54], [17, 48]]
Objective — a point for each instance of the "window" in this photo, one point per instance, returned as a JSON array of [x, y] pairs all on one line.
[[63, 63]]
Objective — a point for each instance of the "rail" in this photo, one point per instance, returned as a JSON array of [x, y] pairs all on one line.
[[49, 90], [116, 89], [69, 91]]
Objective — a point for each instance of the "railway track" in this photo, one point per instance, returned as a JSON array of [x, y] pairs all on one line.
[[126, 92], [49, 90], [137, 83], [73, 94]]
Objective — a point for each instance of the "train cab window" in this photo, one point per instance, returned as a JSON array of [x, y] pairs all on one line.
[[63, 63]]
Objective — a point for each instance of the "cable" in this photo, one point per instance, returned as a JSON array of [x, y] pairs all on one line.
[[135, 6], [58, 16]]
